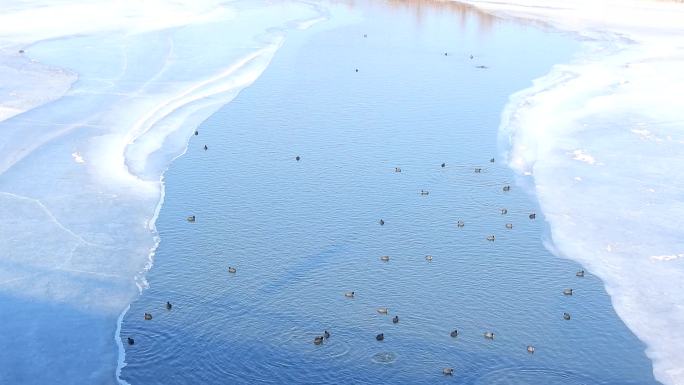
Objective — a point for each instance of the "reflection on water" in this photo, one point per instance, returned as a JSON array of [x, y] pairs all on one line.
[[302, 233]]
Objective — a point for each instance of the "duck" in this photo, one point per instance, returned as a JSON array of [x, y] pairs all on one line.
[[491, 238], [383, 310], [357, 70], [460, 223], [454, 333], [428, 258], [191, 218], [205, 147], [478, 170], [424, 192], [446, 54], [489, 335], [443, 165], [297, 158], [382, 223], [130, 340], [196, 132], [385, 258], [326, 334], [232, 270], [507, 188], [380, 337], [504, 211], [566, 316], [472, 57], [148, 316], [567, 291], [318, 340], [580, 273], [530, 349], [395, 320], [491, 160], [168, 305], [21, 51], [481, 67], [448, 371], [533, 215], [349, 294], [397, 169], [365, 35], [509, 225]]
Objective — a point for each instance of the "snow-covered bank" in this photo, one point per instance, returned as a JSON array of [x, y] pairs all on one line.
[[602, 139], [81, 160]]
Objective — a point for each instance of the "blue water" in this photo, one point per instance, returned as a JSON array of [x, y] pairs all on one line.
[[301, 234]]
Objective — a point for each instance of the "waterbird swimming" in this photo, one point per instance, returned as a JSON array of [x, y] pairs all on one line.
[[148, 316], [454, 333], [566, 316], [490, 238], [191, 218], [130, 340], [205, 147], [507, 188], [382, 223], [318, 340], [567, 291], [385, 258], [533, 215], [428, 258], [448, 371], [443, 165], [489, 335], [349, 294], [482, 67], [168, 305], [580, 273], [460, 224], [509, 225], [504, 211], [491, 160], [380, 337], [196, 132], [424, 192], [530, 349], [357, 70], [326, 334], [383, 310], [478, 170], [395, 320], [297, 158], [397, 169], [232, 270]]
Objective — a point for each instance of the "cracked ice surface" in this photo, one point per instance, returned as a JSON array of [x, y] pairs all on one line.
[[103, 98]]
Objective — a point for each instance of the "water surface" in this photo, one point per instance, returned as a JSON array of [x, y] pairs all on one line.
[[302, 233]]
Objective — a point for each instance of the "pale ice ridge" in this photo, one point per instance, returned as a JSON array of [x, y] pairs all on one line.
[[600, 141], [94, 110]]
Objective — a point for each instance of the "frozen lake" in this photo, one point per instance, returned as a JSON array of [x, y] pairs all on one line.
[[302, 233]]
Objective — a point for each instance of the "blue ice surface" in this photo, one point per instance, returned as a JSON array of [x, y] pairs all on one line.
[[302, 233]]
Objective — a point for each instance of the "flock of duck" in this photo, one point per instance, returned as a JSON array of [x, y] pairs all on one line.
[[448, 371], [320, 339]]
